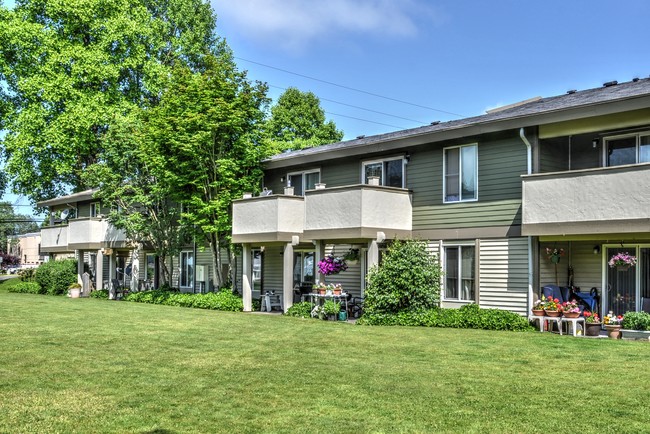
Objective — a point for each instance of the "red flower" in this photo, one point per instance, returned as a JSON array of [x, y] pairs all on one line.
[[556, 300]]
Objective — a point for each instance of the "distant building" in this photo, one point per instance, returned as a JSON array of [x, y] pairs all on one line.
[[27, 247]]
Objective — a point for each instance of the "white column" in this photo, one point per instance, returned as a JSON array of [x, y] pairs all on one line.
[[80, 265], [373, 254], [320, 253], [99, 272], [247, 292], [287, 277], [111, 276]]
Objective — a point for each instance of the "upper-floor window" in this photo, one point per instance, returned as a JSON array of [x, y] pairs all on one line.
[[94, 209], [302, 181], [389, 171], [628, 149], [460, 182]]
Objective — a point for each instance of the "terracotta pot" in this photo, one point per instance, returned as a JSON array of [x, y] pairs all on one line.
[[613, 331], [323, 291], [538, 312], [552, 312], [337, 292], [592, 328], [571, 314]]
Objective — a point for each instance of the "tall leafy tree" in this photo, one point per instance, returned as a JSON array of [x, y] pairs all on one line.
[[72, 67], [298, 121], [206, 131], [12, 223]]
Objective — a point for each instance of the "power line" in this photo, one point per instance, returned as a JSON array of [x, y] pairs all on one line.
[[351, 88], [360, 108], [365, 120]]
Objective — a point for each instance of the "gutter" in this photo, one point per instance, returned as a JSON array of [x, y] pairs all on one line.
[[529, 163]]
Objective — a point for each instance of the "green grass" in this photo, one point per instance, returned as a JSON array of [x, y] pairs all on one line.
[[88, 365]]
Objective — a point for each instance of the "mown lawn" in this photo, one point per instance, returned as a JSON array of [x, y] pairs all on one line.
[[87, 365]]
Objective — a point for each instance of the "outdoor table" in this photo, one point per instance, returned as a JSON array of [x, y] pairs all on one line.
[[316, 298], [544, 319], [574, 323]]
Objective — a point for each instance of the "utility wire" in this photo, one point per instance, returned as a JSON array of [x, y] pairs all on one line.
[[360, 108], [365, 120], [350, 88]]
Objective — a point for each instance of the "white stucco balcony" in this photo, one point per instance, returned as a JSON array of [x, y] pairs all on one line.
[[80, 234], [608, 200], [54, 239], [268, 218], [357, 212]]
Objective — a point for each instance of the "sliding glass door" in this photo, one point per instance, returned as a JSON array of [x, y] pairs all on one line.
[[626, 285]]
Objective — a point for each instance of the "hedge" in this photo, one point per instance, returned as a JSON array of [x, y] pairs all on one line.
[[27, 288], [469, 317], [55, 277], [222, 300]]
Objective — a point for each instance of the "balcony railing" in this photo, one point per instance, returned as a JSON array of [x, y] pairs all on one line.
[[268, 218], [54, 239], [81, 233], [605, 200]]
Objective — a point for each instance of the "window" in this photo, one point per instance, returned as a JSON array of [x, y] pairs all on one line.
[[150, 269], [258, 263], [303, 267], [390, 172], [186, 278], [94, 209], [459, 273], [303, 181], [461, 173], [629, 149]]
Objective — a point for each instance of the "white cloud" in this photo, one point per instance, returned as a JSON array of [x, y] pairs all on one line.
[[293, 24]]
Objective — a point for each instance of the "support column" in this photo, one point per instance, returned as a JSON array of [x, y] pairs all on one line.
[[287, 277], [80, 265], [320, 254], [247, 292], [99, 271], [111, 276], [373, 254]]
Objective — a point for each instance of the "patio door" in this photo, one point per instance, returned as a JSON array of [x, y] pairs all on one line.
[[626, 286]]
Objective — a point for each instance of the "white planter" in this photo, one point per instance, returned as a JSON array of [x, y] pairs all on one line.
[[635, 334], [75, 292]]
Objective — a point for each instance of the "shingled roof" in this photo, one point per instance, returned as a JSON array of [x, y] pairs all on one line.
[[529, 109]]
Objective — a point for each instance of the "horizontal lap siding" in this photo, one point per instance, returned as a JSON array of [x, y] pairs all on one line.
[[350, 279], [503, 282], [272, 269], [587, 267]]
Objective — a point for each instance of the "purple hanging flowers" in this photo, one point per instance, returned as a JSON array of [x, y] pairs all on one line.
[[331, 265]]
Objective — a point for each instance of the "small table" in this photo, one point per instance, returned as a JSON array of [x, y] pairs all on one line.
[[574, 323], [545, 319], [341, 298]]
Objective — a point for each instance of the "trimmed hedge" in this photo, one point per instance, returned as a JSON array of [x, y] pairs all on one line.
[[55, 277], [468, 317], [27, 288], [222, 300], [302, 309], [636, 321]]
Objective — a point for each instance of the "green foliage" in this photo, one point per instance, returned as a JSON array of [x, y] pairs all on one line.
[[70, 67], [301, 309], [27, 274], [636, 321], [408, 279], [222, 300], [12, 224], [331, 307], [297, 121], [467, 317], [100, 293], [55, 277], [27, 287]]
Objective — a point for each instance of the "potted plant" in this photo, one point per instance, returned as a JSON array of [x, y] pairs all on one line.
[[336, 288], [332, 265], [622, 261], [636, 325], [613, 325], [552, 307], [538, 307], [74, 290], [570, 309], [592, 323], [319, 288], [331, 309], [352, 256], [554, 256]]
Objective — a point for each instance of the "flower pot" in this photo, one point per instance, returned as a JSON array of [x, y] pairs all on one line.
[[571, 314], [622, 267], [613, 331], [592, 328], [552, 312], [538, 312], [75, 292], [322, 291], [331, 317], [635, 334], [337, 292]]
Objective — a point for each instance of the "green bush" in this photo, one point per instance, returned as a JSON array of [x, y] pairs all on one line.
[[467, 317], [302, 309], [636, 321], [408, 279], [55, 277], [27, 288], [222, 300], [27, 274], [99, 293]]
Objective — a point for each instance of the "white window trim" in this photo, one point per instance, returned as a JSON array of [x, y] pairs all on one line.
[[383, 160], [180, 267], [304, 174], [443, 263], [96, 207], [460, 175], [607, 139]]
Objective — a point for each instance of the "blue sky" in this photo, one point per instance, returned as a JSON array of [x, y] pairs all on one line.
[[448, 59]]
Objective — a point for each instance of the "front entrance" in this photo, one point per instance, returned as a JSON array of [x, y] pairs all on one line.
[[626, 285]]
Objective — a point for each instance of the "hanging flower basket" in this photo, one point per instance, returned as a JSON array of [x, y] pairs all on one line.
[[622, 261], [331, 265]]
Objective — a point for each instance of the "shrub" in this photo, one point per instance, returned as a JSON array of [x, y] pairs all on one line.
[[27, 274], [302, 309], [408, 279], [222, 300], [57, 276], [636, 321], [469, 316], [27, 288], [99, 293]]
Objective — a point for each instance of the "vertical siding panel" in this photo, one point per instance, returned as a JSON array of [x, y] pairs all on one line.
[[503, 279]]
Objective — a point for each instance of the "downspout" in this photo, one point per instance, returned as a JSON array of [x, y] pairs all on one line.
[[529, 161]]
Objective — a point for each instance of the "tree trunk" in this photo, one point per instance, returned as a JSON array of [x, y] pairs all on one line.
[[217, 278]]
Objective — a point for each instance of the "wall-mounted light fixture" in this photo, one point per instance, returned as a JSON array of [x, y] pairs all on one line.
[[407, 157], [596, 249], [594, 143]]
